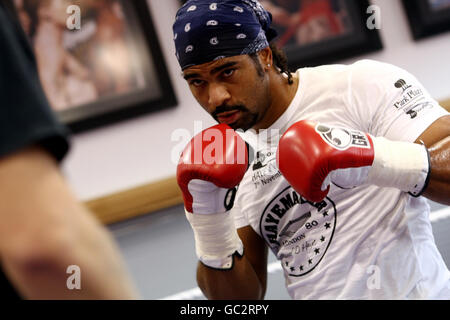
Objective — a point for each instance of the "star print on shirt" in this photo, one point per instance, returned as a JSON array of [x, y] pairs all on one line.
[[327, 226]]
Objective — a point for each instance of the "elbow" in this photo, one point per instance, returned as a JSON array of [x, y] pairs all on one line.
[[231, 292], [32, 256], [224, 285]]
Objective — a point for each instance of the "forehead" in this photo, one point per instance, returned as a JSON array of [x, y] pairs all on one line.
[[209, 67]]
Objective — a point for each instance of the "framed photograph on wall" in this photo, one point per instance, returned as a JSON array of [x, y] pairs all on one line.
[[428, 17], [315, 32], [109, 69]]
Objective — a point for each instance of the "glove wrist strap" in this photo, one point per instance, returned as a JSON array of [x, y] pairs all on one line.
[[400, 165]]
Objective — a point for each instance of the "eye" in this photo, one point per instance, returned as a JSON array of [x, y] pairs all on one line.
[[196, 82], [228, 73]]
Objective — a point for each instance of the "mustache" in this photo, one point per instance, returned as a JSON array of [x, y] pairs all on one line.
[[222, 109]]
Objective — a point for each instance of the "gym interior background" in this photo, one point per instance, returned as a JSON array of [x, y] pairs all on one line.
[[124, 172]]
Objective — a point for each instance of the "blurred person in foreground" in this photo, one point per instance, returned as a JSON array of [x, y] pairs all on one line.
[[44, 230], [345, 156]]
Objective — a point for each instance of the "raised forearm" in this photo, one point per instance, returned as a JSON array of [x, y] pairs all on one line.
[[439, 185]]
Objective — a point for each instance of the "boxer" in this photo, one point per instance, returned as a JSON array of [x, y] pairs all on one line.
[[343, 207]]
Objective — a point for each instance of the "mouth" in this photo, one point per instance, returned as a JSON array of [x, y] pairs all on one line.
[[229, 117]]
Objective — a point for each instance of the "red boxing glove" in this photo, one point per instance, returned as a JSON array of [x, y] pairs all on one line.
[[210, 167], [308, 152], [312, 155], [217, 155]]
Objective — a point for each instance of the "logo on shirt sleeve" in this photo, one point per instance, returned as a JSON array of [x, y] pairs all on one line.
[[412, 100]]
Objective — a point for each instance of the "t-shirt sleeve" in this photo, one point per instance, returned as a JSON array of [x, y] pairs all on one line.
[[390, 102], [25, 115]]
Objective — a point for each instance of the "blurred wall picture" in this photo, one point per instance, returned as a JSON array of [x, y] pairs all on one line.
[[109, 69], [314, 32], [428, 17], [303, 22]]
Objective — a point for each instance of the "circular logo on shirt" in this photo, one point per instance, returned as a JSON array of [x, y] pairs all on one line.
[[298, 231]]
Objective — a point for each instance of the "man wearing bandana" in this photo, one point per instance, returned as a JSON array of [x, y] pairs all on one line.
[[337, 162]]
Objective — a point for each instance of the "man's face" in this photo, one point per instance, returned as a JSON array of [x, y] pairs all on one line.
[[232, 90]]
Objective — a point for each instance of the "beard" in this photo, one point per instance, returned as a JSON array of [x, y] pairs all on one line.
[[247, 120]]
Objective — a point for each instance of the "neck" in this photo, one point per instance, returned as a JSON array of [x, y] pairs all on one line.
[[281, 95]]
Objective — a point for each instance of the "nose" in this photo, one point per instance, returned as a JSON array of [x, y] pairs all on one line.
[[218, 95]]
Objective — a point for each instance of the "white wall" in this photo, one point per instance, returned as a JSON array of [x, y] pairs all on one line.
[[426, 59], [138, 151]]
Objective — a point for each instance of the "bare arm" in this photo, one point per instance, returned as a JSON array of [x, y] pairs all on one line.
[[44, 230], [246, 280], [437, 140]]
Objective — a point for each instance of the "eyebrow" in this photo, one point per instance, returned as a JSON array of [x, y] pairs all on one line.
[[213, 71], [224, 66], [189, 76]]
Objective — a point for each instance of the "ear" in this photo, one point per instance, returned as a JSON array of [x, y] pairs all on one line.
[[265, 55]]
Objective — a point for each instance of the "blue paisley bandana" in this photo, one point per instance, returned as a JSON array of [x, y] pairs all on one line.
[[208, 30]]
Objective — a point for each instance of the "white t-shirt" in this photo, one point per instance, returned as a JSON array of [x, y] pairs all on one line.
[[362, 243]]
